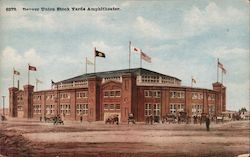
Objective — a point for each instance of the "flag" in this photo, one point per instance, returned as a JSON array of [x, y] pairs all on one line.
[[89, 62], [99, 54], [193, 80], [52, 82], [32, 68], [38, 81], [145, 57], [224, 71], [220, 65], [136, 50], [16, 72]]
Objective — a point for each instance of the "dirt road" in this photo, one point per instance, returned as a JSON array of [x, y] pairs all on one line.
[[33, 138]]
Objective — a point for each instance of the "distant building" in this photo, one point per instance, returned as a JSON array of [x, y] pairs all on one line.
[[96, 96]]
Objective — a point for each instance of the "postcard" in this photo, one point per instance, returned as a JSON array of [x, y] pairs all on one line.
[[124, 78]]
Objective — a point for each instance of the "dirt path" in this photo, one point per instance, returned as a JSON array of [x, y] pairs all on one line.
[[97, 139]]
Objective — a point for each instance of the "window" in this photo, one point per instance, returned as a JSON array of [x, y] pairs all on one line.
[[81, 109], [19, 108], [172, 108], [150, 79], [177, 94], [148, 110], [211, 96], [65, 109], [50, 109], [37, 97], [152, 93], [176, 107], [37, 109], [117, 106], [197, 109], [106, 94], [112, 93], [117, 93], [111, 106], [156, 109], [64, 96], [211, 109], [106, 106], [80, 95], [196, 95]]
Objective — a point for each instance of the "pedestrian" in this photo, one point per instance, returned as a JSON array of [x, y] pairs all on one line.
[[117, 119], [207, 122], [81, 119]]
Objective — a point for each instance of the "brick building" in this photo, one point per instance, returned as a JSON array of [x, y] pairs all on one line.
[[96, 96]]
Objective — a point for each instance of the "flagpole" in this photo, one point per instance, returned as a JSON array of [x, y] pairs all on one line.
[[94, 60], [86, 65], [36, 84], [129, 55], [221, 76], [140, 60], [217, 69], [28, 75], [191, 81], [13, 76]]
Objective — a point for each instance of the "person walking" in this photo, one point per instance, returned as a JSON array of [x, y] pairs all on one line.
[[81, 119], [207, 122]]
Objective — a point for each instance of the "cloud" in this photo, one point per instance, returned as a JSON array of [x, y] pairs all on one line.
[[11, 57], [199, 20], [230, 53], [147, 28]]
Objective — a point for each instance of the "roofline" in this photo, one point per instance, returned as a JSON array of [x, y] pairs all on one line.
[[129, 71]]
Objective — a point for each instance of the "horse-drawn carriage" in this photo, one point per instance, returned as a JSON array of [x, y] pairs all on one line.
[[182, 117], [55, 120], [169, 118], [112, 119]]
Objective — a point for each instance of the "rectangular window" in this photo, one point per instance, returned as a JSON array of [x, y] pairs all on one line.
[[196, 95], [111, 106], [106, 94], [148, 109], [106, 106], [146, 93], [211, 109], [152, 93], [176, 107], [156, 109], [65, 109], [83, 94], [112, 93], [211, 97], [37, 109], [64, 96], [197, 109], [117, 106], [117, 93], [81, 109], [177, 94]]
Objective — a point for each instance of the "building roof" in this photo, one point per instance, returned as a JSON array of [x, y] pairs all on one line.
[[115, 73]]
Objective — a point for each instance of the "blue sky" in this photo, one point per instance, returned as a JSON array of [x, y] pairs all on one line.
[[183, 38]]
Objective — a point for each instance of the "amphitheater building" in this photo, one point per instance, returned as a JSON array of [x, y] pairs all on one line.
[[96, 96]]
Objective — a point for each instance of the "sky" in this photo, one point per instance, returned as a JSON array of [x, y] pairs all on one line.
[[184, 38]]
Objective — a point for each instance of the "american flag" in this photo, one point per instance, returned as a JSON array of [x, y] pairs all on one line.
[[145, 57]]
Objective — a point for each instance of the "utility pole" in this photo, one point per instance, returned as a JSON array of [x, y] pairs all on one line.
[[3, 105]]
